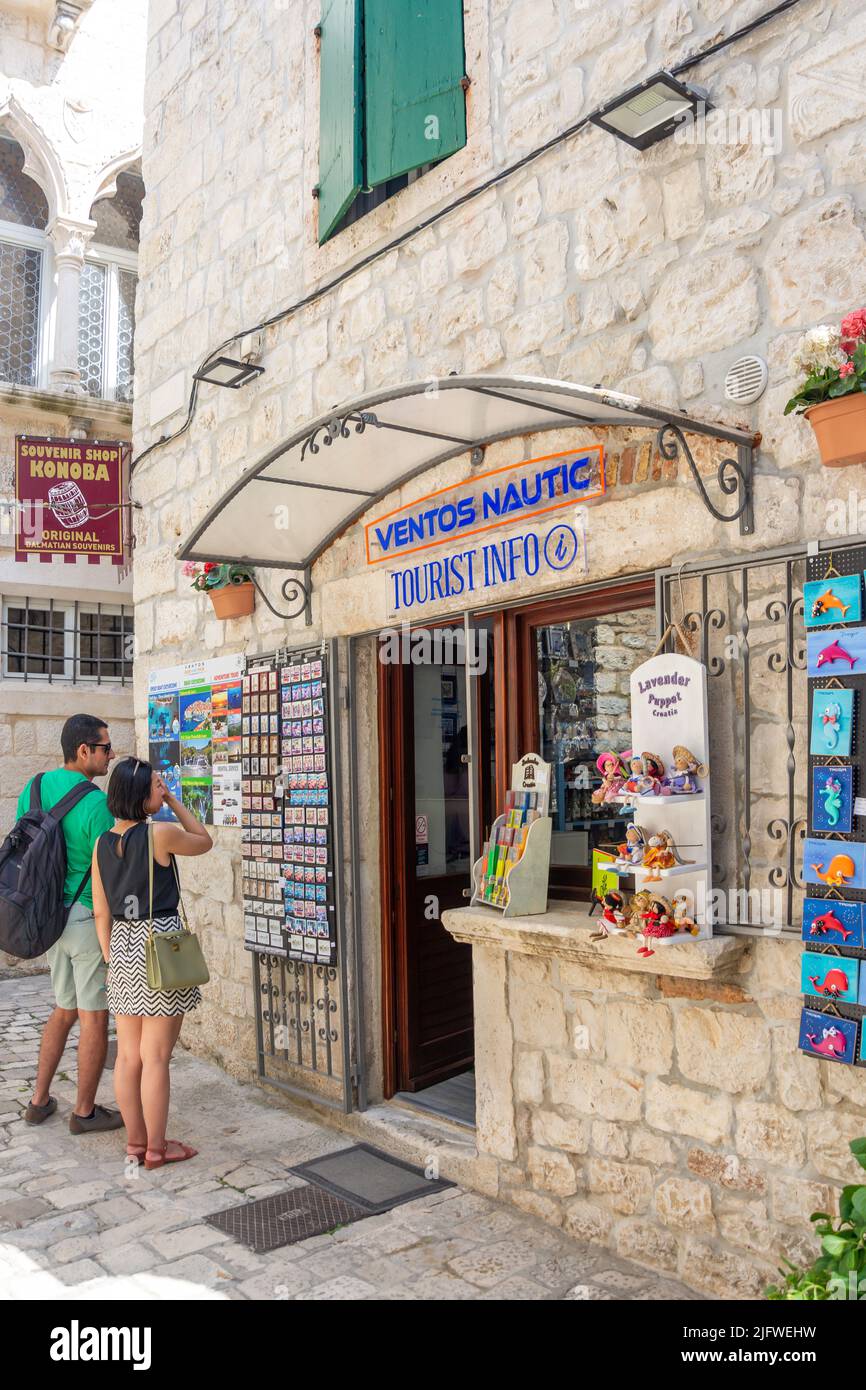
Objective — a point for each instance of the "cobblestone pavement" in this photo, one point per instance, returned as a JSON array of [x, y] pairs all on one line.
[[73, 1224]]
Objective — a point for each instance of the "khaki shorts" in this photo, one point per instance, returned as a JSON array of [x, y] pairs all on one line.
[[77, 966]]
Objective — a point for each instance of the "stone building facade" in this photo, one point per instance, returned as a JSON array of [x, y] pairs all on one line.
[[683, 1126], [71, 80]]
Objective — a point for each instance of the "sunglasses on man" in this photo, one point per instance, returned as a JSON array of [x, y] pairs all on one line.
[[106, 746]]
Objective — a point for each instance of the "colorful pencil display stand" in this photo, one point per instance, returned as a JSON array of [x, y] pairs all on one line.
[[514, 867]]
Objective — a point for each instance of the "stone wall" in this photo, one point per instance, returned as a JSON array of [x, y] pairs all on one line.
[[650, 272], [666, 1117]]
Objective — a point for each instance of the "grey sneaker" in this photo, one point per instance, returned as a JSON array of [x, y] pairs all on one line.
[[99, 1121], [35, 1114]]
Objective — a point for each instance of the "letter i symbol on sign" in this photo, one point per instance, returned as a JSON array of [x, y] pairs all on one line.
[[560, 551]]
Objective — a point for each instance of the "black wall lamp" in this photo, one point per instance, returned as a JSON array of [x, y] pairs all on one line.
[[651, 111], [225, 371]]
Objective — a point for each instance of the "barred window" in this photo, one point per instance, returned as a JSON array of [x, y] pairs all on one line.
[[23, 218], [20, 297], [105, 328], [22, 201], [118, 218], [44, 639]]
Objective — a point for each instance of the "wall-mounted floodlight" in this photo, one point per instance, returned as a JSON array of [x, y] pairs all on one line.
[[225, 371], [651, 111]]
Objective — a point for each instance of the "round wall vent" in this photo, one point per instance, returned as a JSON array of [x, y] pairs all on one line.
[[747, 380]]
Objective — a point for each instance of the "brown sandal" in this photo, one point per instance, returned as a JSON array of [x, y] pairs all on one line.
[[136, 1151], [166, 1157]]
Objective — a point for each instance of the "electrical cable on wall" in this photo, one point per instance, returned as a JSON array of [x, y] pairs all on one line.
[[413, 231]]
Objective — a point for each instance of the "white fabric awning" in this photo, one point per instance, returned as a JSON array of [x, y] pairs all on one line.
[[335, 467]]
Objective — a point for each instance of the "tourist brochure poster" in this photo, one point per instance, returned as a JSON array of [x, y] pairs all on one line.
[[194, 735]]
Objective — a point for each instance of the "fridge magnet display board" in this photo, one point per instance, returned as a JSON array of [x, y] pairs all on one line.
[[834, 850], [287, 813], [194, 735]]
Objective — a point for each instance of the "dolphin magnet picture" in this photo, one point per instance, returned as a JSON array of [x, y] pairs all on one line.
[[836, 653], [830, 601]]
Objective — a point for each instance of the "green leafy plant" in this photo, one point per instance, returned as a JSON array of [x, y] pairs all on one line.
[[833, 361], [213, 576], [840, 1270]]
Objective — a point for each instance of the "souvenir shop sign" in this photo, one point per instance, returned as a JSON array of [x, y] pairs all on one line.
[[194, 735], [502, 497], [69, 494]]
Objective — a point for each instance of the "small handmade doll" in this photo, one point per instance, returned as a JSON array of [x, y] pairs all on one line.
[[637, 907], [613, 775], [658, 924], [612, 917], [635, 774], [685, 771], [682, 921], [633, 848], [661, 853], [654, 778]]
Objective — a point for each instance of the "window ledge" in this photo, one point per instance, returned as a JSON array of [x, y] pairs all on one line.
[[563, 933], [117, 414]]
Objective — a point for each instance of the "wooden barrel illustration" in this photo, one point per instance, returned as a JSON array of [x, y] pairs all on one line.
[[68, 504]]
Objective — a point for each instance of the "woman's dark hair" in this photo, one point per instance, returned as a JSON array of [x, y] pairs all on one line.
[[129, 788]]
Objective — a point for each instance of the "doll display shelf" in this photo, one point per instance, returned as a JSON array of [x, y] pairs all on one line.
[[669, 709], [516, 884]]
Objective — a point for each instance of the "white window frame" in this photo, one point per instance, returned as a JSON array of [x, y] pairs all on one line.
[[32, 237], [113, 259], [72, 658]]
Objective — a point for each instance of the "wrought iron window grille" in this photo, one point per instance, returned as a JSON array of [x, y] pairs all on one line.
[[745, 618], [53, 641]]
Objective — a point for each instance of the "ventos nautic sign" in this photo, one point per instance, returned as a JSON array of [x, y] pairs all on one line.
[[502, 497]]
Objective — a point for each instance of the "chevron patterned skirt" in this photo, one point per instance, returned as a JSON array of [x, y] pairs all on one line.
[[128, 991]]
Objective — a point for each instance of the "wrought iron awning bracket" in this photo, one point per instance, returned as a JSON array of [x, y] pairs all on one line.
[[297, 591], [734, 476]]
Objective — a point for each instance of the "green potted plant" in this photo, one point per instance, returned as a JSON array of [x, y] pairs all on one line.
[[840, 1270], [230, 587], [833, 394]]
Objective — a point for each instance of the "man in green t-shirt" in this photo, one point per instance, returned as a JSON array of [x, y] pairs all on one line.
[[77, 966]]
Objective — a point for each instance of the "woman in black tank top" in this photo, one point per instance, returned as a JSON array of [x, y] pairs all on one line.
[[148, 1021]]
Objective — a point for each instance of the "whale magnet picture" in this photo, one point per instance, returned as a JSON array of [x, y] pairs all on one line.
[[830, 977], [828, 1036], [835, 863]]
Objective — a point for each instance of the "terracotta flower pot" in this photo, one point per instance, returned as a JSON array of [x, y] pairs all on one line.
[[840, 429], [233, 600]]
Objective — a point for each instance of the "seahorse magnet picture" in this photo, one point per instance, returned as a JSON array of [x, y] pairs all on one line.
[[833, 600], [832, 723], [832, 799]]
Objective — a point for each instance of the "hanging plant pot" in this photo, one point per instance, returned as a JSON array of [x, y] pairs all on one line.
[[840, 429], [233, 600]]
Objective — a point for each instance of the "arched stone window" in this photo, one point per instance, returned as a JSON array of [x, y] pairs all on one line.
[[107, 293], [23, 219]]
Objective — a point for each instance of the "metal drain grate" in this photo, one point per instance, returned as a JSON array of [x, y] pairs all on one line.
[[286, 1218], [369, 1178]]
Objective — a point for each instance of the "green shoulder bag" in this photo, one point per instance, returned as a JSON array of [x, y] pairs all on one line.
[[174, 958]]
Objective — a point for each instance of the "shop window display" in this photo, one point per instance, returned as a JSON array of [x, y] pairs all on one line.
[[583, 669]]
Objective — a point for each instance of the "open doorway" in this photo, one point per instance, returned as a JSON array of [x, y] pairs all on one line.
[[424, 724]]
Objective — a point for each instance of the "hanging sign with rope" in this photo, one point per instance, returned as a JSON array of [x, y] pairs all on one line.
[[69, 497]]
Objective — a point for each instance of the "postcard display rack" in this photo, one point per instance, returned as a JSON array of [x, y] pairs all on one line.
[[288, 870], [669, 709], [513, 870], [833, 967]]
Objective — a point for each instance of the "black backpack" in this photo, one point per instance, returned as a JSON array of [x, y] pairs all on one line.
[[33, 875]]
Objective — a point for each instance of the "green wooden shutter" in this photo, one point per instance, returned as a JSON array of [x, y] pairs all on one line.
[[415, 106], [340, 168]]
